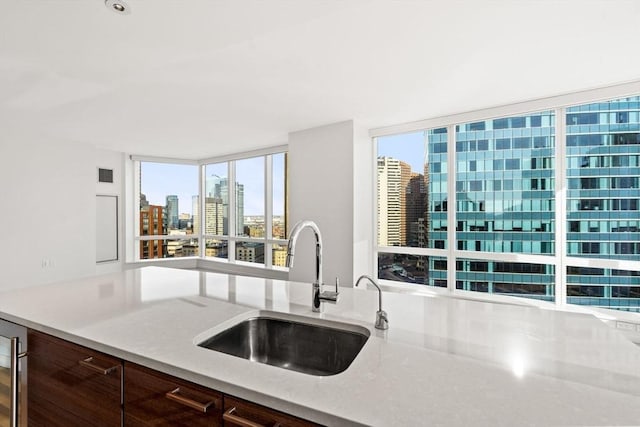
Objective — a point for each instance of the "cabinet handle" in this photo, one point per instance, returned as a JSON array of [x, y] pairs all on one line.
[[238, 420], [15, 357], [89, 363], [198, 406], [241, 421]]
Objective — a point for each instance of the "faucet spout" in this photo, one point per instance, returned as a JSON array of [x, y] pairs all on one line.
[[293, 238], [382, 319]]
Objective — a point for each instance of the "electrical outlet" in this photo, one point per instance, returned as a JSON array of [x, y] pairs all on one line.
[[47, 263], [626, 326]]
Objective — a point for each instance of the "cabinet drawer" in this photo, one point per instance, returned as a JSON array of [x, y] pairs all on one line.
[[71, 385], [152, 398], [240, 413]]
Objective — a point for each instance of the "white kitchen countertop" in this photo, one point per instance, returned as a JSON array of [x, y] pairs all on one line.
[[443, 361]]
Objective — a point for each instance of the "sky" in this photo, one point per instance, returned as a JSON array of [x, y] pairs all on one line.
[[408, 147], [158, 180]]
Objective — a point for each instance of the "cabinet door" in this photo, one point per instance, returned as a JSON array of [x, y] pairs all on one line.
[[152, 398], [70, 385], [240, 413]]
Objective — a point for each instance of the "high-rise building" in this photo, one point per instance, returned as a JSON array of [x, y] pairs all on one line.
[[218, 187], [151, 224], [505, 203], [239, 209], [172, 212], [415, 212], [195, 208], [603, 201], [436, 178], [393, 181], [214, 215], [185, 222], [507, 199]]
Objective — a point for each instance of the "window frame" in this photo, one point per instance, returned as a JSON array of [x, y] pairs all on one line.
[[232, 238], [560, 260]]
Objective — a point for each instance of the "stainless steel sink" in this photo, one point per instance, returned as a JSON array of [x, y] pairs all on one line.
[[311, 347]]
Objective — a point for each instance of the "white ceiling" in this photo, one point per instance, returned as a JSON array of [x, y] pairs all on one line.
[[197, 78]]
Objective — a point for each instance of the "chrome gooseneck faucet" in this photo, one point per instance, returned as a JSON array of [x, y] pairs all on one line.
[[382, 320], [316, 292]]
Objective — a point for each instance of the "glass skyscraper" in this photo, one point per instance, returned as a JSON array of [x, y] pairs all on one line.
[[530, 199], [217, 188], [603, 193], [505, 203], [172, 212]]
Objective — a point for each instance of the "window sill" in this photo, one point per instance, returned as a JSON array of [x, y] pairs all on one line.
[[628, 323], [197, 263]]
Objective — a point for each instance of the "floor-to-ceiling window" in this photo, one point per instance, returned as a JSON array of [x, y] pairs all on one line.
[[228, 209], [505, 203], [412, 207], [165, 213], [541, 205], [603, 195]]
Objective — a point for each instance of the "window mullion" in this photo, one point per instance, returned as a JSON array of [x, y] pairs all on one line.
[[202, 197], [376, 225], [268, 210], [231, 227], [561, 208], [451, 208], [136, 207]]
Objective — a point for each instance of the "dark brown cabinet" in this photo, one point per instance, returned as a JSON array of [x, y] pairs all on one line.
[[155, 399], [240, 413], [69, 385]]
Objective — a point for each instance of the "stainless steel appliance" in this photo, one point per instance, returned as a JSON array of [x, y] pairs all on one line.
[[13, 375]]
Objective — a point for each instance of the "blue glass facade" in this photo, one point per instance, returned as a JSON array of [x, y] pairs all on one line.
[[506, 278], [505, 185], [505, 202], [437, 195], [506, 198], [603, 195]]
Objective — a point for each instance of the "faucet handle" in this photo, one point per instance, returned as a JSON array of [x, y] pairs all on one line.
[[382, 320], [331, 296]]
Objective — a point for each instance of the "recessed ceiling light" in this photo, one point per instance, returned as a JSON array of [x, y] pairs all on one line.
[[117, 6]]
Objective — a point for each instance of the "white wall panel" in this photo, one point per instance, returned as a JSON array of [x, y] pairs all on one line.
[[321, 190], [48, 193]]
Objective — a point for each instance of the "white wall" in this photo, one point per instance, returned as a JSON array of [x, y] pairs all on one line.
[[321, 190], [47, 214], [48, 192], [364, 215], [112, 160]]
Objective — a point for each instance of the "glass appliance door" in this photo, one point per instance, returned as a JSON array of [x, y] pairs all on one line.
[[5, 381], [9, 380]]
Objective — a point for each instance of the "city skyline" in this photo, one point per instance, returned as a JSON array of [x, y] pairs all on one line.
[[408, 147], [506, 202], [159, 180]]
